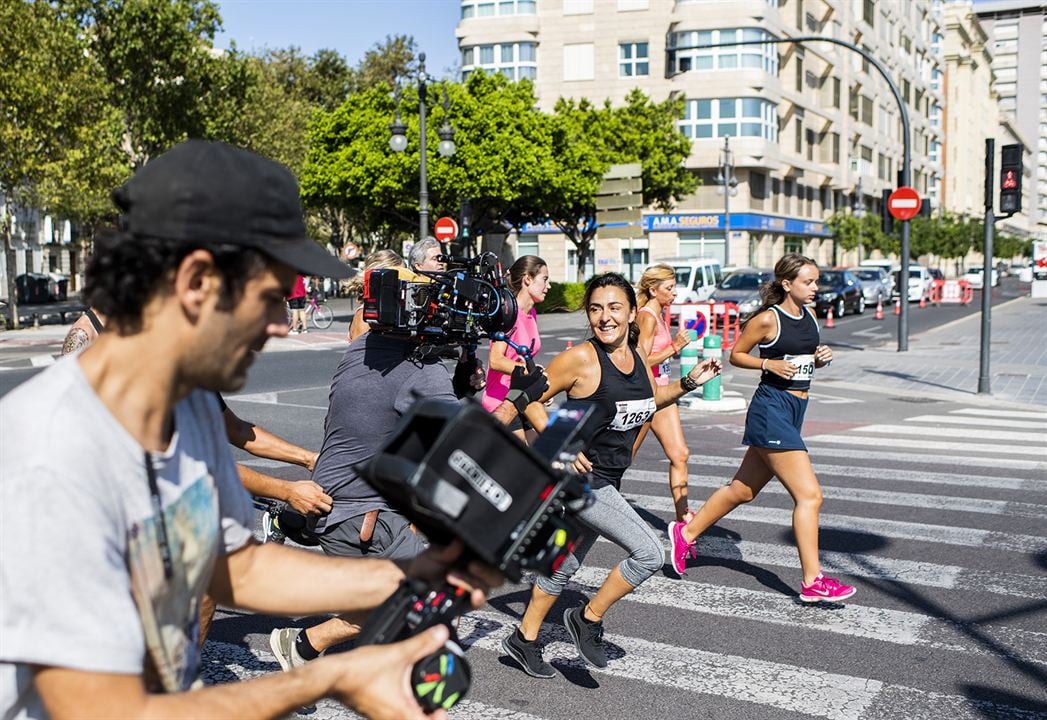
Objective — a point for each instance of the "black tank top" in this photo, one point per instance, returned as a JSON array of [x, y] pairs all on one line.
[[624, 403], [796, 341]]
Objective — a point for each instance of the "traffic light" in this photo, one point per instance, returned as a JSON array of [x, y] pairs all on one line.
[[1011, 179], [925, 207], [886, 219]]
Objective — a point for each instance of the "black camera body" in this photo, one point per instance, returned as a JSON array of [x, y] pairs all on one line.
[[457, 473], [458, 306]]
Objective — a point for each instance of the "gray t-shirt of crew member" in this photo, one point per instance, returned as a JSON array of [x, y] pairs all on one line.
[[374, 385]]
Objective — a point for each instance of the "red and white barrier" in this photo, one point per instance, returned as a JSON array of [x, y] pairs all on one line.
[[951, 292]]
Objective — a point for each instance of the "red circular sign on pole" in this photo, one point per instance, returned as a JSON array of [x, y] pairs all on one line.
[[445, 229], [904, 203]]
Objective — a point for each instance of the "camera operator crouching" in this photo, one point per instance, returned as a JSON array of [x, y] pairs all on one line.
[[381, 375]]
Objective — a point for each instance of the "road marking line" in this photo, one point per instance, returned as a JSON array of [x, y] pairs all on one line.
[[996, 463], [847, 438], [900, 474], [976, 433], [878, 497], [979, 422], [790, 688], [989, 412], [896, 529]]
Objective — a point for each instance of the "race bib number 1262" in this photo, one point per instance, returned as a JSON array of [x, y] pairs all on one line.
[[632, 413]]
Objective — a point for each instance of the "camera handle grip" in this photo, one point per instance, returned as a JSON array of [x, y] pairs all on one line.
[[524, 351]]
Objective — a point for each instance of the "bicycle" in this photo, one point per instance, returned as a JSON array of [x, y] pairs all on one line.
[[321, 315]]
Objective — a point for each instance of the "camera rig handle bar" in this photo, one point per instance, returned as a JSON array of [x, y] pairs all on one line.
[[523, 351]]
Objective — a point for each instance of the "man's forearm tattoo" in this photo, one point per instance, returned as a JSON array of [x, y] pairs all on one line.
[[75, 340]]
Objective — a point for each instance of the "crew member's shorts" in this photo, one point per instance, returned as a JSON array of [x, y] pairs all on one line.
[[392, 539], [296, 303], [774, 420]]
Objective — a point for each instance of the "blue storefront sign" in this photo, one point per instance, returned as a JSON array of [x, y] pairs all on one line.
[[697, 222]]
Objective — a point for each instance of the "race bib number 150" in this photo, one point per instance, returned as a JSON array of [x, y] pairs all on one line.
[[632, 413]]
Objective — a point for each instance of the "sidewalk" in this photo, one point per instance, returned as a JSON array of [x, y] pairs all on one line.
[[944, 362]]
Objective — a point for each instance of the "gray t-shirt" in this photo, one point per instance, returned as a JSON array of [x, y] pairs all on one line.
[[374, 385], [82, 583]]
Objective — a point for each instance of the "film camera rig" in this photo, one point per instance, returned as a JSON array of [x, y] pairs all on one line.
[[456, 473]]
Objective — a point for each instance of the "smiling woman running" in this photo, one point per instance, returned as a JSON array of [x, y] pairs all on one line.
[[611, 372], [787, 335]]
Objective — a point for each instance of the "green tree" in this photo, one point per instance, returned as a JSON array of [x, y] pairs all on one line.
[[58, 133]]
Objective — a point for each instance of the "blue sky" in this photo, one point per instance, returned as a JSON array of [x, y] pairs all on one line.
[[349, 26]]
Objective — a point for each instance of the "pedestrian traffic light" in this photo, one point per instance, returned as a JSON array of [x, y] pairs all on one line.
[[1011, 179], [925, 208], [886, 219]]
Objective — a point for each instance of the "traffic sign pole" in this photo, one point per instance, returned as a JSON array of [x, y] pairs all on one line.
[[983, 365]]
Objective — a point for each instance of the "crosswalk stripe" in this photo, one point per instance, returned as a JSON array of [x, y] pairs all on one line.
[[1017, 414], [967, 461], [791, 688], [897, 529], [882, 624], [878, 497], [979, 422], [880, 473], [847, 438], [976, 433]]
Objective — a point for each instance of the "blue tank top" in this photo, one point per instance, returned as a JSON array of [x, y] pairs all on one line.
[[796, 341], [623, 403]]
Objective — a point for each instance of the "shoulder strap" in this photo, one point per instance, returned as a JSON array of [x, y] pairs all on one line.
[[95, 322]]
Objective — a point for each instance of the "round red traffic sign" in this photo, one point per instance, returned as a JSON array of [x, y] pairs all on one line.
[[904, 203], [445, 229]]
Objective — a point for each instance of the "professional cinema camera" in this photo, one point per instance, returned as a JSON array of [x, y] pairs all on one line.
[[457, 473], [454, 307]]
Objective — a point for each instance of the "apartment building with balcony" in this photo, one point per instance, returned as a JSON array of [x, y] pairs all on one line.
[[812, 128], [1018, 32]]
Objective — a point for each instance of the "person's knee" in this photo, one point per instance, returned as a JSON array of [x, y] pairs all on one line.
[[810, 496], [679, 455], [644, 561], [742, 493], [555, 583]]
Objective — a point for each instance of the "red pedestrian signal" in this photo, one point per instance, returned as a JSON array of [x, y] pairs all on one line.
[[1011, 179]]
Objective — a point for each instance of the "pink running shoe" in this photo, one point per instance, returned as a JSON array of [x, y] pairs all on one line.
[[825, 589], [679, 548]]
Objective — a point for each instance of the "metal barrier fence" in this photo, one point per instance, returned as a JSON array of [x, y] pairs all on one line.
[[946, 292]]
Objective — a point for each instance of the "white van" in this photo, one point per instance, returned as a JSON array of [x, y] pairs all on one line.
[[696, 278]]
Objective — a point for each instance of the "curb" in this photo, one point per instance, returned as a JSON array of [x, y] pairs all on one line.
[[730, 401]]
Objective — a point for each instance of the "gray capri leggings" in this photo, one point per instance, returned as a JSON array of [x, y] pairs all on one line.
[[611, 516]]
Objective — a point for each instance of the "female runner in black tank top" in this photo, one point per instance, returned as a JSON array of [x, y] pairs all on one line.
[[787, 335], [611, 372]]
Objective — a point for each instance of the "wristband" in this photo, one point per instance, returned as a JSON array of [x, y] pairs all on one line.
[[688, 383]]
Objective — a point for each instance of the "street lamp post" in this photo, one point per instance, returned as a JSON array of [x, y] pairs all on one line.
[[398, 142], [728, 186]]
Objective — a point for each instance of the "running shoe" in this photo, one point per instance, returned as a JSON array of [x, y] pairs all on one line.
[[281, 642], [528, 655], [679, 548], [825, 589], [587, 636]]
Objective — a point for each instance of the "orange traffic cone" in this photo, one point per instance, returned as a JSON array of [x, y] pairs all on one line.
[[879, 310], [898, 306], [829, 322], [569, 345], [923, 301]]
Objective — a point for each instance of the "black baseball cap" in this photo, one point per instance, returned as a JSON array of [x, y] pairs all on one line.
[[211, 192]]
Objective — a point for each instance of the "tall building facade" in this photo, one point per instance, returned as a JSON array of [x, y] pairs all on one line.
[[811, 128], [1018, 29]]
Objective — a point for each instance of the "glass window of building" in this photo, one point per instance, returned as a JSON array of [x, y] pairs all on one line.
[[489, 8], [730, 117], [702, 245], [684, 58], [577, 7], [632, 60], [516, 61], [578, 62], [793, 244], [526, 244]]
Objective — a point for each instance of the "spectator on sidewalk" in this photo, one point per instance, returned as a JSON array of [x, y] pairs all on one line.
[[296, 303]]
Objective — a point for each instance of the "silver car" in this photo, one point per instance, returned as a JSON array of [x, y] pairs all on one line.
[[742, 287], [876, 284]]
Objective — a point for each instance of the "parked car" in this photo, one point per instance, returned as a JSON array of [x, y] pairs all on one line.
[[976, 277], [742, 287], [936, 273], [919, 282], [876, 284], [887, 266], [696, 278], [841, 291]]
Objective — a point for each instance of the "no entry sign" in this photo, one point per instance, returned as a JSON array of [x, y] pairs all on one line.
[[904, 203], [445, 229]]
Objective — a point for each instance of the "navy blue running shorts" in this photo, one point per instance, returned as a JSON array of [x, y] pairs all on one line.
[[774, 420]]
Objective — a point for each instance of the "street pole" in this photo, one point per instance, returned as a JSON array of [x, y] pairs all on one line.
[[727, 201], [903, 319], [423, 190], [983, 368]]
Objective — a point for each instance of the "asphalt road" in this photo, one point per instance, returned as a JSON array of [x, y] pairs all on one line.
[[935, 510]]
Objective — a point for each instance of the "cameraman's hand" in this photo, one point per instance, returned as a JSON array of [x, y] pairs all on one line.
[[308, 498], [375, 680], [582, 464], [440, 564], [527, 385], [469, 376]]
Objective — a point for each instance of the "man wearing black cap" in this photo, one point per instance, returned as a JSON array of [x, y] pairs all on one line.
[[121, 500]]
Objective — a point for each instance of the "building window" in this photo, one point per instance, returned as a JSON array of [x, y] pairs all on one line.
[[640, 258], [799, 72], [632, 59], [836, 92], [730, 117], [867, 111], [702, 245], [577, 7], [798, 131], [578, 62], [793, 244], [630, 5], [721, 58], [516, 61], [869, 12], [836, 147], [489, 8]]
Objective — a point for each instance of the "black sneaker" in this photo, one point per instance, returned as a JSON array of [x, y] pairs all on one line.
[[588, 637], [528, 655]]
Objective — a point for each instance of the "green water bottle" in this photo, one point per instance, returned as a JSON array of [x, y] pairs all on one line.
[[712, 348]]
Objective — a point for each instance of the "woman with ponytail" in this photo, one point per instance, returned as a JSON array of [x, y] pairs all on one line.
[[612, 373], [657, 290], [786, 333]]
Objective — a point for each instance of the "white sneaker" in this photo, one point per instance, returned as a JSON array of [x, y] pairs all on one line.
[[281, 642]]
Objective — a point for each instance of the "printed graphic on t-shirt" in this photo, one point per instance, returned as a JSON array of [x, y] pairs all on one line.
[[804, 367], [632, 413], [170, 609]]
